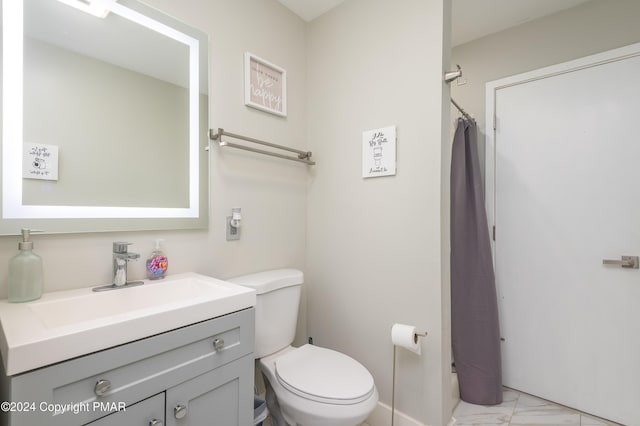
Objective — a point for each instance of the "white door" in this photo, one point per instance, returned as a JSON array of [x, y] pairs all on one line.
[[563, 189]]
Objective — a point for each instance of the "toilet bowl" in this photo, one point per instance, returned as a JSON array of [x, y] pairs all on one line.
[[313, 386], [316, 386]]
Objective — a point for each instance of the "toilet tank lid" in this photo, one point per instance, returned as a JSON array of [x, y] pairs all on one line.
[[264, 282]]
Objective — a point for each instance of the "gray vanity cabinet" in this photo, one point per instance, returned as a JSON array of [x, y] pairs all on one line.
[[204, 369]]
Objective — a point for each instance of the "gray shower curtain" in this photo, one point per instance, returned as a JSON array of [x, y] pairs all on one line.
[[475, 331]]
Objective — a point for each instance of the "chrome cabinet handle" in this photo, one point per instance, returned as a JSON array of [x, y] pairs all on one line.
[[155, 422], [180, 411], [102, 387], [218, 344], [625, 261]]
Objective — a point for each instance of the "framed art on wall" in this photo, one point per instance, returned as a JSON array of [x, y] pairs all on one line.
[[379, 152], [265, 85]]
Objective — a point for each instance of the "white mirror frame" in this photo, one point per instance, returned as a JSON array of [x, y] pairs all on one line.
[[12, 138]]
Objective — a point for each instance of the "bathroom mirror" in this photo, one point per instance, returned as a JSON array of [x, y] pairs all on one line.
[[104, 118]]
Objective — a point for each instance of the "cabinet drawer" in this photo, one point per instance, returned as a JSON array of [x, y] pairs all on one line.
[[142, 413], [175, 364], [136, 370]]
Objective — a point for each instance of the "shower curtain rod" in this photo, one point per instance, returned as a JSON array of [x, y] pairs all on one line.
[[462, 111]]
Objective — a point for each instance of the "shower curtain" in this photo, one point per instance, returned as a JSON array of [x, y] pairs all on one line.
[[475, 331]]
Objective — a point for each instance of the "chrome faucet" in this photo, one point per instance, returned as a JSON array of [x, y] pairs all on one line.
[[121, 256]]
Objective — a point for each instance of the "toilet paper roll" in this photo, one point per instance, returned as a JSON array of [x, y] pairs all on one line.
[[406, 337]]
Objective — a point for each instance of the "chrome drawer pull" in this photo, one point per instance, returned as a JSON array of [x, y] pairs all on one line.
[[218, 344], [180, 411], [102, 387], [155, 422]]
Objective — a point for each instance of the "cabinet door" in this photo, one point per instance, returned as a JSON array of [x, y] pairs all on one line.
[[143, 413], [221, 397]]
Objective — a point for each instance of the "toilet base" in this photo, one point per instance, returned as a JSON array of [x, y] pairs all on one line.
[[277, 418]]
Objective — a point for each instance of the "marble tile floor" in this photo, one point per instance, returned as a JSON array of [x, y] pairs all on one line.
[[520, 409]]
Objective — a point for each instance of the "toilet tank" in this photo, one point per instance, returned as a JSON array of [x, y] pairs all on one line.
[[277, 301]]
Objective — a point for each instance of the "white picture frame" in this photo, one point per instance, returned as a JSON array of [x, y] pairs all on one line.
[[265, 85], [39, 161], [379, 152]]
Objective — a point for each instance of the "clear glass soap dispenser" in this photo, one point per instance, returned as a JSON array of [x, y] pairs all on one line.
[[25, 272], [157, 264]]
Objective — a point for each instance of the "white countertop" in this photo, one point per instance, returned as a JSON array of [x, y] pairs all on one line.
[[66, 324]]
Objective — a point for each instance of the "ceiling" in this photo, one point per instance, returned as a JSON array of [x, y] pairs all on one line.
[[497, 15], [310, 9]]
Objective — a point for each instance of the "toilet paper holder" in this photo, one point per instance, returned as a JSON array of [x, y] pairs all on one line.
[[407, 337], [419, 334], [416, 335]]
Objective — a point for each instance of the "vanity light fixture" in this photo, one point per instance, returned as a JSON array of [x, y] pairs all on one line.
[[99, 8]]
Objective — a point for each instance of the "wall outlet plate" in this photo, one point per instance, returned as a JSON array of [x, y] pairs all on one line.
[[232, 232]]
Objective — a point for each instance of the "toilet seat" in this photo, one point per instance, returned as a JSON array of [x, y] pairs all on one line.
[[323, 375]]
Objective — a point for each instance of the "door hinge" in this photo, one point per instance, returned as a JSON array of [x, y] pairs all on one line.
[[494, 232]]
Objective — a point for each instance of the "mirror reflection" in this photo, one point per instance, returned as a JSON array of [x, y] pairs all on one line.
[[113, 120]]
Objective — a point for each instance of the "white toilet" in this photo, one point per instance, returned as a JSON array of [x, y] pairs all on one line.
[[313, 386]]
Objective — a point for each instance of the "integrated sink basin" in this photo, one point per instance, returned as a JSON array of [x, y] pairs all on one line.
[[153, 296], [66, 324]]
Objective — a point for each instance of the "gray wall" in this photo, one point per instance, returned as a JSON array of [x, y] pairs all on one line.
[[590, 28], [375, 246]]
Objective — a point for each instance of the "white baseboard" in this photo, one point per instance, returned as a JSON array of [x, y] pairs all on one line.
[[381, 416]]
